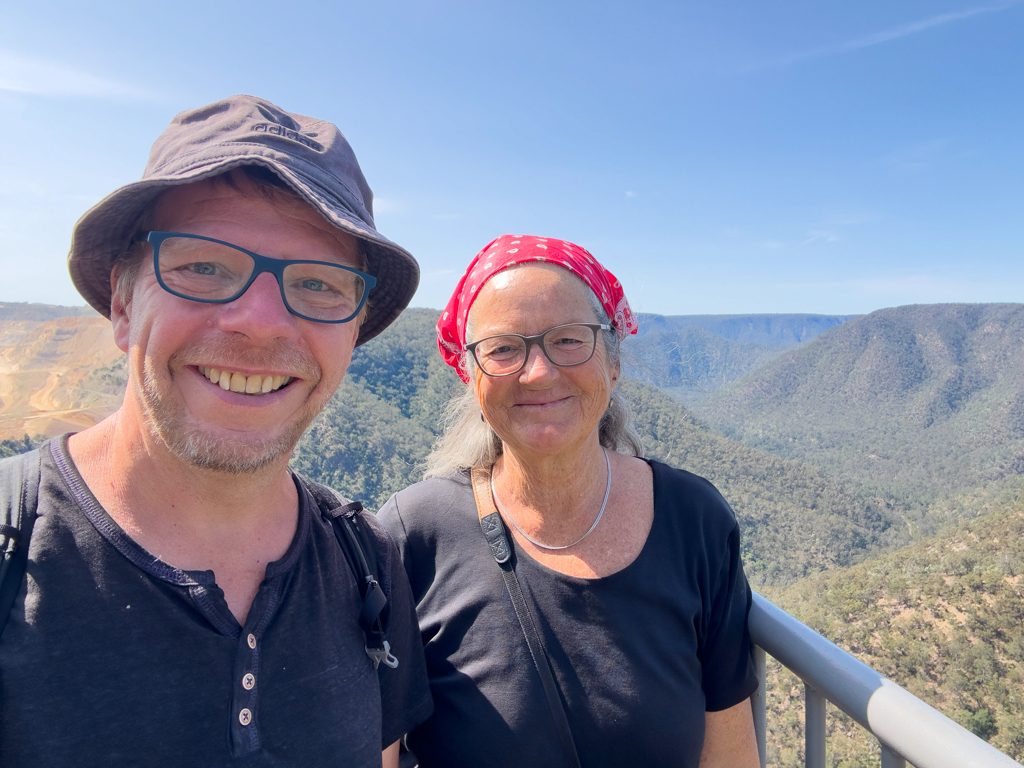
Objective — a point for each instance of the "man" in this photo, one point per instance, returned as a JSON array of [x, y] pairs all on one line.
[[187, 601]]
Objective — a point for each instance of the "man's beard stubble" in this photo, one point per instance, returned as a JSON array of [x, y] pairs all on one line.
[[191, 443]]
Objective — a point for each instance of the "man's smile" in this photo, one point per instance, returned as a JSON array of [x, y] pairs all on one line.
[[250, 384]]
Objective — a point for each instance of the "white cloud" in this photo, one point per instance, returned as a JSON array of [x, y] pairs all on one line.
[[630, 194], [887, 35], [812, 236], [43, 77], [815, 236]]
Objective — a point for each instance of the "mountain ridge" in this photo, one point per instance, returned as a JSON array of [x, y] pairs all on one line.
[[923, 400]]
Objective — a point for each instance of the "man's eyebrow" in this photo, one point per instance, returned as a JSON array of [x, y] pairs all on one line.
[[357, 260]]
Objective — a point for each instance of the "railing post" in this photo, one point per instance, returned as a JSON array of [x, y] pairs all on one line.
[[759, 703], [890, 759], [912, 731], [814, 728]]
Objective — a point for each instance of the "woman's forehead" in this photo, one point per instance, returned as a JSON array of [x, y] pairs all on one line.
[[527, 276], [541, 293]]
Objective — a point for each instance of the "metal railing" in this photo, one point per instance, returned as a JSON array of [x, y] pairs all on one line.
[[907, 729]]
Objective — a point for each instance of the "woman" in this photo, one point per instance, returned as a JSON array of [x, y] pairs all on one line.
[[629, 570]]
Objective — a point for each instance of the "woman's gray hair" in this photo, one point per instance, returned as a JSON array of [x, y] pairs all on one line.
[[467, 441]]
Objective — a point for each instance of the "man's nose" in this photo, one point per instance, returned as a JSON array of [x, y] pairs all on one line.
[[259, 313]]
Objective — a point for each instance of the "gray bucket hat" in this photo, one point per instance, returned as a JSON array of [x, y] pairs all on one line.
[[311, 156]]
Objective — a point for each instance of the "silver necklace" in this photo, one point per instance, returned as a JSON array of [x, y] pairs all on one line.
[[529, 538]]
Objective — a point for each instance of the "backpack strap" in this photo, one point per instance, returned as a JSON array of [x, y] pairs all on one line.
[[350, 529], [497, 539], [19, 497]]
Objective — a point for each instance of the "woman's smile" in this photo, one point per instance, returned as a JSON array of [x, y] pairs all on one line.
[[543, 404]]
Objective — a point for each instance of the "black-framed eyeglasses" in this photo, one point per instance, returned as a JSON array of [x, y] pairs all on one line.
[[213, 271], [564, 345]]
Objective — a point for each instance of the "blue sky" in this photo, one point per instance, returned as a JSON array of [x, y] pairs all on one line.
[[719, 157]]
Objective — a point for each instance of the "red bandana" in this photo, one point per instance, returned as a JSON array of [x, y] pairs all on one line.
[[509, 250]]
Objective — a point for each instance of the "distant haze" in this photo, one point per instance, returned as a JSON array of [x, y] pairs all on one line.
[[769, 330], [690, 356], [37, 313]]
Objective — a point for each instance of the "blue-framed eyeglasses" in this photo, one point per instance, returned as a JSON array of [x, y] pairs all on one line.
[[213, 271]]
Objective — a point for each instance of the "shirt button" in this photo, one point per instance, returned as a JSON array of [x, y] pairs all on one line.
[[252, 641], [245, 717], [248, 682]]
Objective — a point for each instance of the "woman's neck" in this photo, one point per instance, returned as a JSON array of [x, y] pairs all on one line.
[[551, 492]]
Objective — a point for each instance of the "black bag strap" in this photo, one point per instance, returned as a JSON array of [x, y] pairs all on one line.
[[346, 518], [19, 497], [497, 538]]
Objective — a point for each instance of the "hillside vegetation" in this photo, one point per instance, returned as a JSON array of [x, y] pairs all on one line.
[[944, 618], [921, 401], [796, 520], [14, 447]]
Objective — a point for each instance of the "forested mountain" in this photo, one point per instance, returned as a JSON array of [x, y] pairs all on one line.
[[944, 618], [381, 424], [922, 401], [794, 518], [690, 356]]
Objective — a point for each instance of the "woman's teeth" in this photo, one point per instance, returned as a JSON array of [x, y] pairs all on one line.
[[239, 382]]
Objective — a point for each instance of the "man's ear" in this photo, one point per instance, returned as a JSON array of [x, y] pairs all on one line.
[[119, 313]]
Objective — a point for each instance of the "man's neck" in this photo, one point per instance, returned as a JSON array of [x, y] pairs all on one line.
[[191, 518]]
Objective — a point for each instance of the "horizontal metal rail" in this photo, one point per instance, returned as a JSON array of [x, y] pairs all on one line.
[[907, 729]]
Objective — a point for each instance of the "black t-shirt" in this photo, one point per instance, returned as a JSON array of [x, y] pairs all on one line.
[[112, 657], [639, 655]]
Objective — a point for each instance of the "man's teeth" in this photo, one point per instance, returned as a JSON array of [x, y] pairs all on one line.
[[239, 382]]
